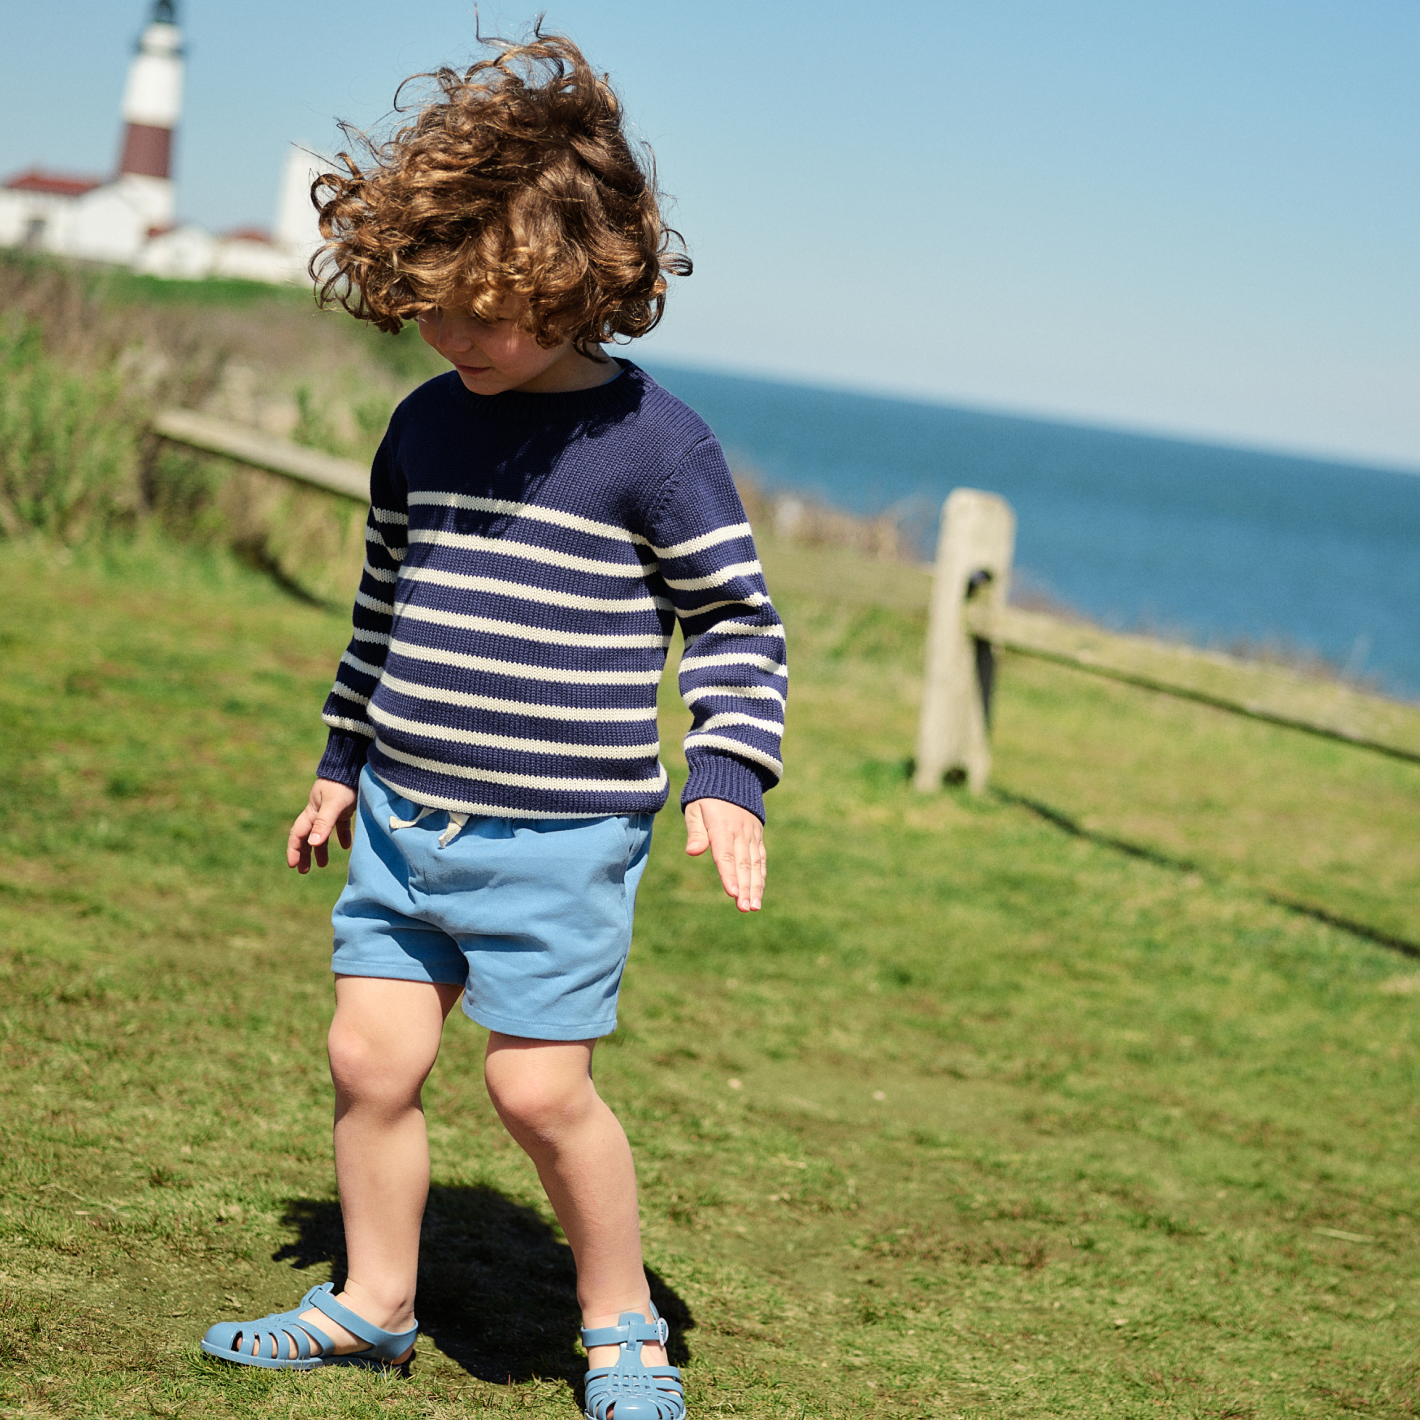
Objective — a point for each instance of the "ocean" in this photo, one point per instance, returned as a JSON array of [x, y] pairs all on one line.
[[1220, 546]]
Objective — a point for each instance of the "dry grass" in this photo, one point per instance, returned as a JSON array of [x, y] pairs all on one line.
[[89, 354]]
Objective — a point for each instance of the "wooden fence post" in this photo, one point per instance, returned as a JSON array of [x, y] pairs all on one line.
[[974, 550]]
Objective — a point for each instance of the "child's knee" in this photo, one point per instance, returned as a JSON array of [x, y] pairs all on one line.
[[354, 1063], [537, 1105], [366, 1065]]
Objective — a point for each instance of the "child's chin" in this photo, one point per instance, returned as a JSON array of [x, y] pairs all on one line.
[[482, 384]]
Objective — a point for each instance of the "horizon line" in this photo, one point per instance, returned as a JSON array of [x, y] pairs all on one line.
[[1321, 454]]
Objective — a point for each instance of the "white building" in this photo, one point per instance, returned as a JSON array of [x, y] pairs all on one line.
[[130, 219]]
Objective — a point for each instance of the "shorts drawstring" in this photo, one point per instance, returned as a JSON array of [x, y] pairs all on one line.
[[456, 823]]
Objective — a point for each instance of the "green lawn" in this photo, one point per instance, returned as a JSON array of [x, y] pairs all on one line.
[[981, 1117]]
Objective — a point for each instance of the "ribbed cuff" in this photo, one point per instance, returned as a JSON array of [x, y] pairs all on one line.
[[344, 757], [718, 776]]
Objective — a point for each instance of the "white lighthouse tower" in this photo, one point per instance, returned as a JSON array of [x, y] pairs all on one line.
[[152, 104]]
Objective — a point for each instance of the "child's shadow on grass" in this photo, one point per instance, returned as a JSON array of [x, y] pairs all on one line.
[[497, 1289]]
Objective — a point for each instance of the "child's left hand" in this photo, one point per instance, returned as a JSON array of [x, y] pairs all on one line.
[[736, 842]]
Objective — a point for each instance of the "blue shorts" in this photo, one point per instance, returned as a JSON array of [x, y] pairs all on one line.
[[532, 917]]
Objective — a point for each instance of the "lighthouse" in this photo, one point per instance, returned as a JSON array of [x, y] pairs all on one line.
[[128, 219], [152, 103]]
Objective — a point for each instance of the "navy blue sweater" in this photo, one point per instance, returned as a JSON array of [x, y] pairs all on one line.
[[527, 558]]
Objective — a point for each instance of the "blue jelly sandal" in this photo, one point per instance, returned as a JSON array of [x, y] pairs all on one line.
[[637, 1391], [267, 1340]]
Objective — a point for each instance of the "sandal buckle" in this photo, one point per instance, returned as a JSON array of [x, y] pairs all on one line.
[[663, 1331]]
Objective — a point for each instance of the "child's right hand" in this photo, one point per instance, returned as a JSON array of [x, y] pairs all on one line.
[[329, 807]]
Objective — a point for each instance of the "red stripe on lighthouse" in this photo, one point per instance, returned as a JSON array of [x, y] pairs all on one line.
[[147, 151]]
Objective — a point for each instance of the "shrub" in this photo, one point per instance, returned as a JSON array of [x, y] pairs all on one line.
[[69, 443]]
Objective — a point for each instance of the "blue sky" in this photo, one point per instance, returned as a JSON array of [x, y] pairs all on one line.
[[1200, 218]]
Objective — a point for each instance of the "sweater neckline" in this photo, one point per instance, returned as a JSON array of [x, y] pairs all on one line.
[[618, 394]]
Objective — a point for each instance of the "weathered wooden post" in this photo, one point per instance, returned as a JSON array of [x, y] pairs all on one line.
[[974, 550]]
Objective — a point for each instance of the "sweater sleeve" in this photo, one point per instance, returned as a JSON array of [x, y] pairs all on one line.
[[346, 711], [733, 675]]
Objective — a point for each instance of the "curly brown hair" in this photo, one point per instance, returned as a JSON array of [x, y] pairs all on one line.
[[515, 179]]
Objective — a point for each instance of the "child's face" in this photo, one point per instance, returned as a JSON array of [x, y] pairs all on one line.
[[500, 355]]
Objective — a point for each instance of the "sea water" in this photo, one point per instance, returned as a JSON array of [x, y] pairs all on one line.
[[1220, 546]]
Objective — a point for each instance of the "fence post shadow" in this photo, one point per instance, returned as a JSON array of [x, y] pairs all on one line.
[[497, 1286]]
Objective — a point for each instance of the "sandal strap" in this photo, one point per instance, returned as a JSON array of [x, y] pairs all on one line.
[[302, 1333], [633, 1327], [327, 1346], [599, 1376], [321, 1299]]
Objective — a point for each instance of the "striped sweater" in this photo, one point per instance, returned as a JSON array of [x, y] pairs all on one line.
[[528, 556]]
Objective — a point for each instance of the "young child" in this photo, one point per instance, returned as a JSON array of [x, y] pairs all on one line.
[[540, 517]]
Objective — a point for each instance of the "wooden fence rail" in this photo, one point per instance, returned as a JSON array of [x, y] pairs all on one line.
[[251, 446], [1263, 691], [970, 618]]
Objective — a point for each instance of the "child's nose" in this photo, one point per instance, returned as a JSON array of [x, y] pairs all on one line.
[[453, 337]]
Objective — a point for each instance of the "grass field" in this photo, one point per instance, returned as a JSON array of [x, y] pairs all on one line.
[[1039, 1104]]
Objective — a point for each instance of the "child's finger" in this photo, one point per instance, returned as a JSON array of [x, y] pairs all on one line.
[[725, 861], [757, 872], [320, 840], [733, 860], [722, 844], [298, 853], [697, 840], [743, 872], [751, 872]]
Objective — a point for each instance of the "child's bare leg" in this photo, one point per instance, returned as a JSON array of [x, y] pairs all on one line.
[[544, 1094], [383, 1043]]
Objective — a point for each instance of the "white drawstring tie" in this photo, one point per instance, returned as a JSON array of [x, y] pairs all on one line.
[[456, 823]]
